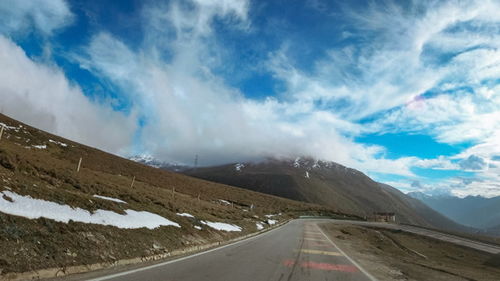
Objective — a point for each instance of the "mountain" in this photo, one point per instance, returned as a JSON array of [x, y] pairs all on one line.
[[65, 204], [153, 162], [325, 183], [474, 211], [494, 231]]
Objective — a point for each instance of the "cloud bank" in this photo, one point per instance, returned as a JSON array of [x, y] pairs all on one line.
[[429, 67]]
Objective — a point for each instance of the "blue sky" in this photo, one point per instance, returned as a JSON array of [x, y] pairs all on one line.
[[407, 92]]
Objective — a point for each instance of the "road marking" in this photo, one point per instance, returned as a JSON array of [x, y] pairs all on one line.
[[349, 258], [319, 243], [319, 252], [314, 239], [323, 266], [311, 233]]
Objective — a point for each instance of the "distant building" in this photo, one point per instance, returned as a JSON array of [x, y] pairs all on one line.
[[384, 217]]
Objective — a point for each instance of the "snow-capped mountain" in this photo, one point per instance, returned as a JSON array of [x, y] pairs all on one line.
[[325, 183], [149, 160]]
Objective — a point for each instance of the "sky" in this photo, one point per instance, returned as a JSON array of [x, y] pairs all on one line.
[[407, 92]]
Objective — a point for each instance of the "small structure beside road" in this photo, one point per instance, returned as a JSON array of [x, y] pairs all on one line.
[[384, 217]]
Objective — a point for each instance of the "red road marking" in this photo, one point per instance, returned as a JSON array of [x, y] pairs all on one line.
[[323, 266]]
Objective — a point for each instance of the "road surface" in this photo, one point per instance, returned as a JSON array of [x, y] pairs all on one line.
[[299, 250]]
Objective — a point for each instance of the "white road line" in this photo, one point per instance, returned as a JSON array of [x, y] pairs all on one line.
[[349, 258], [107, 277]]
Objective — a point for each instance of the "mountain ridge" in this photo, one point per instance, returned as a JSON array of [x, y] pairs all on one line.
[[326, 183], [475, 211]]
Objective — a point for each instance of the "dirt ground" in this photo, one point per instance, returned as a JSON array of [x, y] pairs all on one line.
[[396, 255]]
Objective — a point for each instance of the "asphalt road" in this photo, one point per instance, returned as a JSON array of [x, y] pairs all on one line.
[[298, 250]]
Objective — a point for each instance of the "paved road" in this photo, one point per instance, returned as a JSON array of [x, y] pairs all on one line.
[[493, 249], [298, 250]]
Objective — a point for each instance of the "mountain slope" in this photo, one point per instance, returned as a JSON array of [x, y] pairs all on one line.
[[474, 211], [326, 183], [53, 216]]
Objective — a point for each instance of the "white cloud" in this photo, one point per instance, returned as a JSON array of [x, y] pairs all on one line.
[[439, 163], [20, 16], [397, 55], [191, 111], [41, 95]]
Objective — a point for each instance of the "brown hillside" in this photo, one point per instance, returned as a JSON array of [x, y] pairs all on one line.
[[328, 184], [43, 166]]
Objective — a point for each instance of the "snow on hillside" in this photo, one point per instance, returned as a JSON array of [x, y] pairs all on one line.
[[42, 146], [239, 166], [222, 226], [224, 202], [185, 215], [309, 164], [271, 222], [26, 206], [296, 163], [58, 143], [109, 198], [149, 160], [7, 127]]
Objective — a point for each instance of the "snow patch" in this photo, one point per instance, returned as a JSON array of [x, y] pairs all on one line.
[[42, 146], [307, 174], [259, 225], [225, 202], [197, 227], [58, 143], [239, 166], [222, 226], [109, 198], [271, 222], [31, 208], [296, 163], [7, 127], [185, 215], [270, 216]]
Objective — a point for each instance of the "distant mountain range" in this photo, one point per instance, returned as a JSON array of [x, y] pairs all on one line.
[[327, 183], [153, 162], [475, 211]]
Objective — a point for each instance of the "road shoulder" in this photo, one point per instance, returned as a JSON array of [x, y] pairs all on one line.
[[397, 255]]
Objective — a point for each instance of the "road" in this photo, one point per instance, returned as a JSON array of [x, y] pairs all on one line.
[[492, 249], [299, 250]]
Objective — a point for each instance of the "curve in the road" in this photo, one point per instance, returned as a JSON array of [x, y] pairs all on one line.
[[299, 250]]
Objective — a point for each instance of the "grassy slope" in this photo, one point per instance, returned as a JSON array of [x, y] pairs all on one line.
[[50, 174]]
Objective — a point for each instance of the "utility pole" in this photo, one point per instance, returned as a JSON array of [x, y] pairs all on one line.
[[79, 164], [1, 131], [173, 192], [196, 161]]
